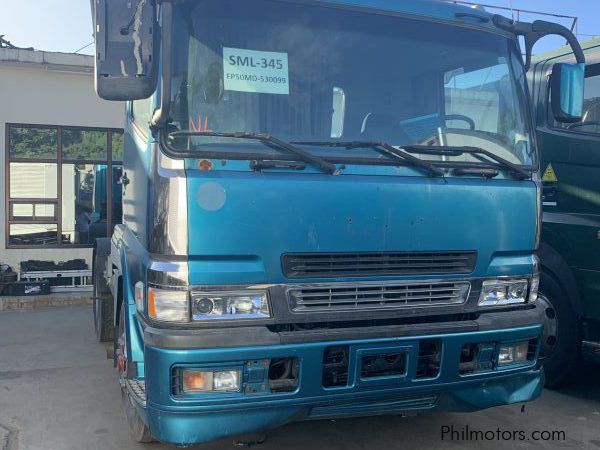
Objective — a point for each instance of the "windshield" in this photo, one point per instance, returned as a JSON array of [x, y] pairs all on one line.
[[314, 73]]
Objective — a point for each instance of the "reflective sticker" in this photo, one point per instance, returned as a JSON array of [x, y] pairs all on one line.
[[549, 174], [211, 196], [255, 71]]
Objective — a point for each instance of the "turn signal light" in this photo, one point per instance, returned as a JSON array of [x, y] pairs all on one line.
[[168, 305]]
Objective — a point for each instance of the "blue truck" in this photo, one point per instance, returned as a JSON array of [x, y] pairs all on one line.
[[330, 209]]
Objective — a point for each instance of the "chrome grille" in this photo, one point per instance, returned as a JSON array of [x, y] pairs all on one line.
[[304, 265], [370, 295]]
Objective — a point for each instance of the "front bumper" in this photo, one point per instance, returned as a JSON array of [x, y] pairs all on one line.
[[189, 419]]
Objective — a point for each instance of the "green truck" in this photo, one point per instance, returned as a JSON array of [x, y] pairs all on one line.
[[570, 248]]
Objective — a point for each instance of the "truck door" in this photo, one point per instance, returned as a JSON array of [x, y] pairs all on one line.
[[570, 170]]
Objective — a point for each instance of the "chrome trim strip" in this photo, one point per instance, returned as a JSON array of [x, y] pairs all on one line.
[[343, 284], [168, 222], [231, 287], [168, 273]]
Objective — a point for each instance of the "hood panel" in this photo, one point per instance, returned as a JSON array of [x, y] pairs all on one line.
[[241, 223]]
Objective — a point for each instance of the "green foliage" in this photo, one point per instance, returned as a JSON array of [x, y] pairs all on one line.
[[117, 146], [84, 145], [42, 143], [33, 143]]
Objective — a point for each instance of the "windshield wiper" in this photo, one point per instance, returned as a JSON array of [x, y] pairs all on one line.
[[477, 152], [383, 148], [268, 140]]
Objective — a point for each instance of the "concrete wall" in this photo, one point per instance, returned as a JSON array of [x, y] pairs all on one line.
[[53, 89]]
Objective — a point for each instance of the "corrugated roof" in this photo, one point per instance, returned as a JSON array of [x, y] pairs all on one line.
[[53, 60]]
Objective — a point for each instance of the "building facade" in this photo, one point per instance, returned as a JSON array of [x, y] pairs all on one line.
[[62, 148]]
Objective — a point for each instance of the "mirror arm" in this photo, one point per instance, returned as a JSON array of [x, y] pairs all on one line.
[[160, 117], [533, 32]]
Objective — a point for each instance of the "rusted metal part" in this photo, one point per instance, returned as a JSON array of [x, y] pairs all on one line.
[[5, 43]]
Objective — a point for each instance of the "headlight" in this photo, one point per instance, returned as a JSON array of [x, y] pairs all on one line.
[[230, 305], [503, 292], [168, 305]]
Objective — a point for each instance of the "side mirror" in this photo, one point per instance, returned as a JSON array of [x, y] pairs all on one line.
[[126, 34], [567, 91]]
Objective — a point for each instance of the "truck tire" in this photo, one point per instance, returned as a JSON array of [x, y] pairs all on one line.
[[103, 301], [138, 430], [560, 346]]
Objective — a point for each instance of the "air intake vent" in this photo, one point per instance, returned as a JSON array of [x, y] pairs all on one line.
[[318, 265], [365, 296]]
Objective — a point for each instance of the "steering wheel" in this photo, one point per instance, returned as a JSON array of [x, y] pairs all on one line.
[[583, 124], [462, 117]]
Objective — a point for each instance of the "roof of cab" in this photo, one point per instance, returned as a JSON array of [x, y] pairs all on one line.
[[433, 9]]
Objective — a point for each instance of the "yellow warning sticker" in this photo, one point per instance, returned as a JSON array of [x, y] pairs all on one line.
[[549, 174]]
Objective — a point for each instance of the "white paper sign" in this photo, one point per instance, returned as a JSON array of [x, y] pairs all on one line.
[[255, 71]]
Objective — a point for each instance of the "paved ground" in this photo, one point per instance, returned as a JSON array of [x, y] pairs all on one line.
[[57, 391]]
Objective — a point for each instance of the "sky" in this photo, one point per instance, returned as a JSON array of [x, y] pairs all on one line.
[[66, 26]]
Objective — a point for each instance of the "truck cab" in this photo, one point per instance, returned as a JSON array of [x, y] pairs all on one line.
[[570, 165], [330, 209]]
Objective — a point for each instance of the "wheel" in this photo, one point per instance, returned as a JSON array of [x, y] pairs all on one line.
[[560, 345], [103, 301], [138, 430]]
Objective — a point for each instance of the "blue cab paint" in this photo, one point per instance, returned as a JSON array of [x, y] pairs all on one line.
[[198, 223]]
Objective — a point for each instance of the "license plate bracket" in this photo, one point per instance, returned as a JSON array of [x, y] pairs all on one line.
[[384, 365]]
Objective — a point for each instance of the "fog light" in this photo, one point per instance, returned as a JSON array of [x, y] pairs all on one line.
[[513, 353], [211, 381], [226, 381]]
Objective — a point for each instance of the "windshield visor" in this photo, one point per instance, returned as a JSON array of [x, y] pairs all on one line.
[[315, 73]]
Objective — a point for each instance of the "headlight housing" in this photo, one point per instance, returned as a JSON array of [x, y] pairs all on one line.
[[183, 306], [228, 305], [504, 292]]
